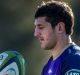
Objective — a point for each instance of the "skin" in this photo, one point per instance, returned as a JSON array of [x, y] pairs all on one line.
[[54, 39]]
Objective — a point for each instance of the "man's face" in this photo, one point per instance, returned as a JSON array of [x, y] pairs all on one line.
[[44, 33]]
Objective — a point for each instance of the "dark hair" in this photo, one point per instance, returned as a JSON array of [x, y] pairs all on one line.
[[55, 12]]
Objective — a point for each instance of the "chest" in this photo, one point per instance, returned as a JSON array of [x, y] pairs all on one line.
[[52, 68]]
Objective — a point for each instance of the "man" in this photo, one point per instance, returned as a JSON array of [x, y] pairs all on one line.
[[54, 22]]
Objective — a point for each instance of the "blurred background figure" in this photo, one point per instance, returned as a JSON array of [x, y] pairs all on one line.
[[16, 31]]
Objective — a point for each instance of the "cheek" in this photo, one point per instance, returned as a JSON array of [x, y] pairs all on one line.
[[48, 37], [48, 34], [51, 37]]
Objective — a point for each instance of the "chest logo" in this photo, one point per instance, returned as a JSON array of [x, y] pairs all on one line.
[[73, 72]]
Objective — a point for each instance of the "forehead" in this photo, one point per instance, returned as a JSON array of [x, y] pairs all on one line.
[[41, 21]]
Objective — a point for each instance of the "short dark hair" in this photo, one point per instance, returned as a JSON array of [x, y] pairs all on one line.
[[55, 12]]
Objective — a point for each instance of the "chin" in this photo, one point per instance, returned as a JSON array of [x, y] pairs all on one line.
[[45, 48]]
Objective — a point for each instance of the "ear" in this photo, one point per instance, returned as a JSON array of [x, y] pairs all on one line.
[[60, 28]]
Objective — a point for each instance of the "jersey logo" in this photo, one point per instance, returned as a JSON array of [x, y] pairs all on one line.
[[73, 72]]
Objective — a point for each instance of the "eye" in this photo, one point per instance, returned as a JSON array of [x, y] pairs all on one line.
[[41, 27]]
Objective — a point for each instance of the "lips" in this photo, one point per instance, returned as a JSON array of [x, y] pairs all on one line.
[[41, 39]]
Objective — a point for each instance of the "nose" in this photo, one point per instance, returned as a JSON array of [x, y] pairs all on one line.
[[37, 32]]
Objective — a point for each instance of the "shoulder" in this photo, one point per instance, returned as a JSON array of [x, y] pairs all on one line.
[[73, 54], [71, 62]]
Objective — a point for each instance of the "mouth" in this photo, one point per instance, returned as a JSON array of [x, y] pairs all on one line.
[[41, 40]]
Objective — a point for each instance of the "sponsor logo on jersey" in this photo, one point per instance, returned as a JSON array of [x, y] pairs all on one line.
[[73, 72]]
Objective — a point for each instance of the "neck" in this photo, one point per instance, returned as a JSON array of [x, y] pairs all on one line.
[[60, 47]]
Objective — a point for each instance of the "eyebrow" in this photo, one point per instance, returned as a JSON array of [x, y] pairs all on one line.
[[40, 25]]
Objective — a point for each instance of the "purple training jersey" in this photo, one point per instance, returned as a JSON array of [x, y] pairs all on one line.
[[65, 64]]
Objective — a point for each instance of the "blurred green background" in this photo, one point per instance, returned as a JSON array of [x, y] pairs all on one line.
[[17, 28]]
